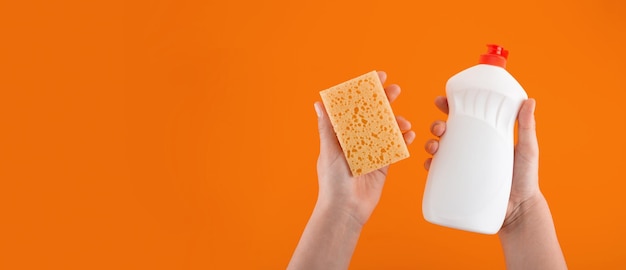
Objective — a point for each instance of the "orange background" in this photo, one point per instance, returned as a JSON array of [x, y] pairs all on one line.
[[182, 135]]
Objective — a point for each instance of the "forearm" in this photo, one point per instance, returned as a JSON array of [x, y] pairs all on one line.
[[530, 241], [328, 241]]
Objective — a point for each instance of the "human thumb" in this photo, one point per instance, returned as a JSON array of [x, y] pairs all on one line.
[[527, 135], [328, 139]]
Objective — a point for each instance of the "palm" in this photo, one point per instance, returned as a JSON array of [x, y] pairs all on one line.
[[334, 175], [360, 192]]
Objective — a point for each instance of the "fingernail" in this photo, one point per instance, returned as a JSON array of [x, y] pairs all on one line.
[[318, 109], [434, 129], [411, 137]]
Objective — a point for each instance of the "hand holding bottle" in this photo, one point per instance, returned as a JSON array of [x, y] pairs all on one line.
[[525, 185], [527, 236]]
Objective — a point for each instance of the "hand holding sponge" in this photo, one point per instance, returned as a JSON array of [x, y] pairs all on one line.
[[364, 123]]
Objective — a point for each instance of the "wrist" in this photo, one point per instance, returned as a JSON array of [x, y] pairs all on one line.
[[338, 214], [329, 239], [524, 213]]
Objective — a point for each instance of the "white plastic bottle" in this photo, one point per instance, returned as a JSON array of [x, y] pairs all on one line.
[[469, 181]]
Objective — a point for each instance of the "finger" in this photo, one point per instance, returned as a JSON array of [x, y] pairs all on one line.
[[442, 103], [438, 128], [382, 76], [527, 135], [404, 124], [427, 163], [431, 146], [392, 92], [328, 139], [409, 137]]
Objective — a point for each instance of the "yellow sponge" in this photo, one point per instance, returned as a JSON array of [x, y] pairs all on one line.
[[364, 123]]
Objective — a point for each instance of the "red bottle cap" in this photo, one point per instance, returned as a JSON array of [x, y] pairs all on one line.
[[495, 55]]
